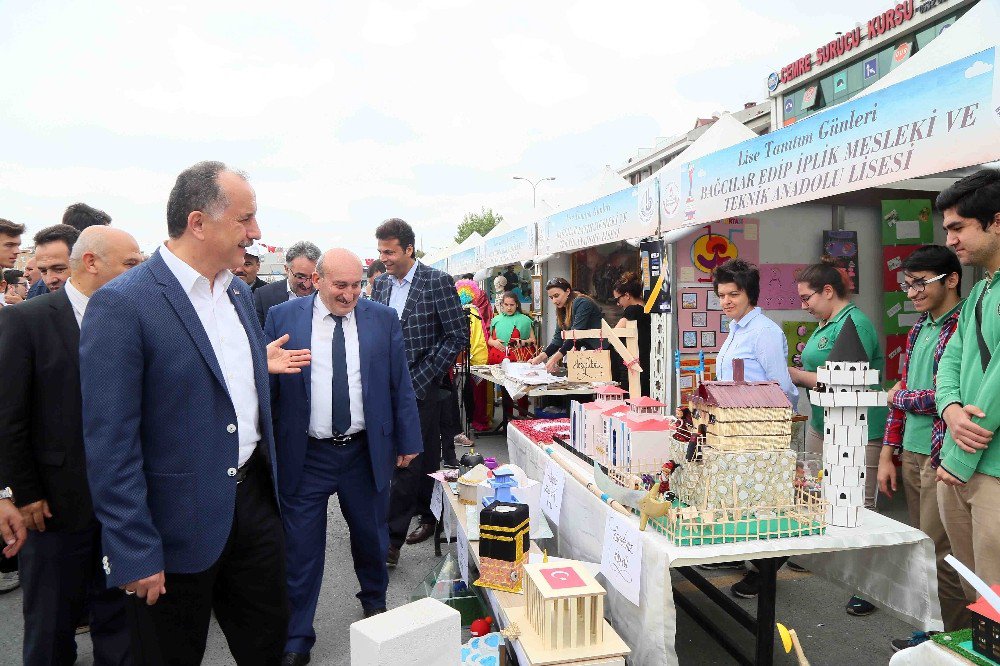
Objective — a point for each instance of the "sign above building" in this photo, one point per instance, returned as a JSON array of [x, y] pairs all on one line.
[[848, 41]]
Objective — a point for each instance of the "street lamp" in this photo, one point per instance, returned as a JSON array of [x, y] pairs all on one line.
[[534, 185]]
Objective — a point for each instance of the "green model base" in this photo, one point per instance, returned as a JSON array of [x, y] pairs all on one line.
[[960, 642], [737, 532]]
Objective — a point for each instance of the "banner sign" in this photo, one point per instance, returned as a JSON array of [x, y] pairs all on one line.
[[466, 261], [940, 120], [628, 213], [516, 245], [441, 264]]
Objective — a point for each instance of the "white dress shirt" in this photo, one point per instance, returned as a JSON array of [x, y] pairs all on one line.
[[288, 287], [401, 290], [229, 342], [321, 369], [77, 300]]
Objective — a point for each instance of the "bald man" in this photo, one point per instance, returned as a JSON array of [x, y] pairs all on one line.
[[43, 460], [341, 427]]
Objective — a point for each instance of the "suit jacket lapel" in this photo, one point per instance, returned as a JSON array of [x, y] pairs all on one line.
[[301, 335], [365, 329], [181, 304], [251, 324], [415, 287], [68, 329]]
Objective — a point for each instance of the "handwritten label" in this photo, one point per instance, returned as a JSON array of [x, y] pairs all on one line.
[[621, 556], [437, 500], [462, 550], [553, 484]]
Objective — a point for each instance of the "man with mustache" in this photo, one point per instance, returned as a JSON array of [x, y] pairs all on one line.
[[247, 271]]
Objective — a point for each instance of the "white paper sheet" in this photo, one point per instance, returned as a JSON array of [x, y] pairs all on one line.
[[437, 500], [621, 555], [552, 491], [462, 550]]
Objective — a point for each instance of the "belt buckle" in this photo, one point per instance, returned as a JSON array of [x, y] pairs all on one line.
[[341, 440]]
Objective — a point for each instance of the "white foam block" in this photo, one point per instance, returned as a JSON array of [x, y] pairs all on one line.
[[853, 476], [857, 435], [425, 632], [842, 377], [846, 399], [871, 377], [814, 397], [836, 476], [847, 456], [822, 375]]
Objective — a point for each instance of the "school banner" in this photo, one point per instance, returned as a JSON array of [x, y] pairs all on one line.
[[466, 261], [441, 264], [940, 120], [516, 245], [628, 213]]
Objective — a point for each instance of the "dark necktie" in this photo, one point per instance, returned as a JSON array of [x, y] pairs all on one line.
[[341, 396]]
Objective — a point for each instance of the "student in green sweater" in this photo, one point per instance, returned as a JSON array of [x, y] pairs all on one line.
[[968, 383], [825, 292]]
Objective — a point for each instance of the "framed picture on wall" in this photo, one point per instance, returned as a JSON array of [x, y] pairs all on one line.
[[536, 294], [708, 338], [689, 300], [699, 319], [689, 339]]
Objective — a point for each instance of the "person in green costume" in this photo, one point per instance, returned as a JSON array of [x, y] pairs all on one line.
[[502, 327], [825, 292]]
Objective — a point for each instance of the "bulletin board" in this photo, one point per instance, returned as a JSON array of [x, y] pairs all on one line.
[[698, 254], [893, 257], [699, 320], [895, 345], [907, 222], [900, 315], [778, 287]]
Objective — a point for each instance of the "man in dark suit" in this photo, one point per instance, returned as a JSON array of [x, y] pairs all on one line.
[[177, 428], [42, 458], [434, 331], [300, 264], [342, 427]]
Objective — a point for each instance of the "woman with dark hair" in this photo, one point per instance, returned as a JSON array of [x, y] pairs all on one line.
[[752, 336], [627, 292], [510, 319], [574, 312], [825, 292]]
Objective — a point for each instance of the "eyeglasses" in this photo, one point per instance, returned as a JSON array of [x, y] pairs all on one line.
[[918, 285], [557, 282], [302, 277], [806, 299]]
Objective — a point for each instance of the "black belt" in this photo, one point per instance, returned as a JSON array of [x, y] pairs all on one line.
[[244, 471], [342, 440]]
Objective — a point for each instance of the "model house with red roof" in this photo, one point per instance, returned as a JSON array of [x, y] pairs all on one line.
[[986, 628], [588, 420], [638, 444]]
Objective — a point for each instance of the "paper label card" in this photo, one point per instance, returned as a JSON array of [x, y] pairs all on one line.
[[462, 550], [448, 522], [437, 500], [621, 556], [553, 484]]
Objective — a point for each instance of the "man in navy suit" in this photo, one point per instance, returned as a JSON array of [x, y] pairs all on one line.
[[177, 431], [342, 426], [435, 330]]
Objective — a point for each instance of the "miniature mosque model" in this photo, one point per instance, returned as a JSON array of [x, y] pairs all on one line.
[[842, 390]]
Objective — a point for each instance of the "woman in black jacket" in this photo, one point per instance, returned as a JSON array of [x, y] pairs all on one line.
[[574, 312]]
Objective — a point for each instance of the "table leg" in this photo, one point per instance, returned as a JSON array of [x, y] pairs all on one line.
[[764, 648]]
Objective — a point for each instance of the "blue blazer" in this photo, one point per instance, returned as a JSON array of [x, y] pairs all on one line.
[[391, 419], [159, 425]]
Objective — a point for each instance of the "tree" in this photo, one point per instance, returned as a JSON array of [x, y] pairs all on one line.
[[481, 222]]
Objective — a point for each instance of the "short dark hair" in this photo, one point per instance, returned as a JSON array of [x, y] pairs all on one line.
[[467, 276], [395, 228], [197, 188], [934, 258], [303, 249], [57, 232], [976, 196], [80, 216], [8, 228], [629, 283], [375, 267], [12, 275], [741, 273], [510, 294]]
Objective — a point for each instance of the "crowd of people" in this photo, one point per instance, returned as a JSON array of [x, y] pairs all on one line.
[[176, 426]]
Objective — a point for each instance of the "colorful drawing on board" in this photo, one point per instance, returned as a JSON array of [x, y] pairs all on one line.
[[907, 222], [724, 323], [842, 246], [778, 290], [699, 319], [689, 300], [699, 254], [797, 334], [689, 340], [708, 338]]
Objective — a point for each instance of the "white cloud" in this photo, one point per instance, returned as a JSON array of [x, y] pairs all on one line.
[[977, 68]]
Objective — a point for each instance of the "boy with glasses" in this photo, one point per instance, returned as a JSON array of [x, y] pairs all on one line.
[[932, 280]]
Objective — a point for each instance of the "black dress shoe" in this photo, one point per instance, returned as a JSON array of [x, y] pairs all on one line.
[[423, 532], [295, 659], [450, 464], [392, 557], [373, 611]]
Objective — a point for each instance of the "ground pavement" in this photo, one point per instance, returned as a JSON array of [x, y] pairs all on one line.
[[811, 605]]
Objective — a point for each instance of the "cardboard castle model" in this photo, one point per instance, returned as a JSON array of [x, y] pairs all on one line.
[[842, 390], [587, 420]]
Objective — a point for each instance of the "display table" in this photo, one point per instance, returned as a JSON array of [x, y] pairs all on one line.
[[501, 603], [518, 390], [902, 581]]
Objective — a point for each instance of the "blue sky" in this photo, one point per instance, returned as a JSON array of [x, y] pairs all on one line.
[[344, 114]]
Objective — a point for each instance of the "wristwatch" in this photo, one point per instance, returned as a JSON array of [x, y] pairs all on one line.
[[6, 493]]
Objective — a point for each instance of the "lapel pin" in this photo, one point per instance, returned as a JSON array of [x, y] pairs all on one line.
[[236, 291]]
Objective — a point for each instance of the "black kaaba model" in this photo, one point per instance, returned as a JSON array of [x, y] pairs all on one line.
[[503, 545]]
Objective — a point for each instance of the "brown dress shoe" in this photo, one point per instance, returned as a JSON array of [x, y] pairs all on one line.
[[392, 557], [423, 532]]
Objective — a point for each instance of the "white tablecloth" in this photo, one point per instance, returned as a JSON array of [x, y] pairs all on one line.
[[903, 580]]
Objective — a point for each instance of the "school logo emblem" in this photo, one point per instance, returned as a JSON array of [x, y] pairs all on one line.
[[823, 342]]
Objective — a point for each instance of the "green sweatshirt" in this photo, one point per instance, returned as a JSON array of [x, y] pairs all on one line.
[[961, 379]]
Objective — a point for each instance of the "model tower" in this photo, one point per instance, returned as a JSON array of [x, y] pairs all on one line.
[[842, 390]]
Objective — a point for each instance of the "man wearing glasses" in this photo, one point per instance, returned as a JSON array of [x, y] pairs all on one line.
[[300, 263], [932, 280]]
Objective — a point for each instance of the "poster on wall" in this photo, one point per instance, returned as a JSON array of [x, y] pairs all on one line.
[[907, 222], [655, 277], [895, 345], [900, 314], [842, 246], [700, 329], [893, 257], [688, 377], [797, 334], [778, 288], [597, 269], [702, 251]]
